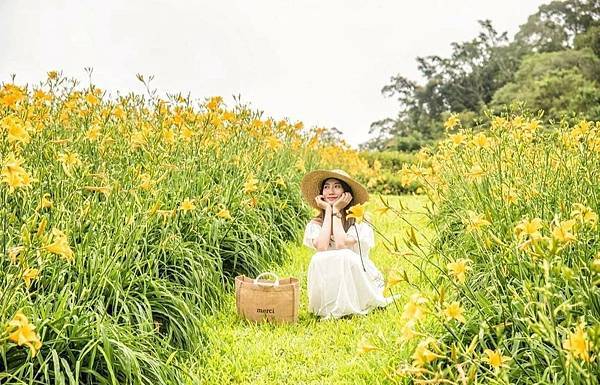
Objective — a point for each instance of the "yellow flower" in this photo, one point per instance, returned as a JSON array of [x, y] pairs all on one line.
[[16, 130], [187, 205], [14, 252], [60, 246], [69, 160], [528, 229], [454, 311], [46, 202], [408, 332], [168, 136], [52, 75], [280, 181], [13, 174], [475, 221], [457, 139], [29, 275], [423, 355], [414, 309], [495, 358], [459, 268], [224, 213], [451, 122], [364, 346], [394, 277], [577, 344], [480, 140], [187, 134], [251, 185], [273, 143], [10, 95], [562, 231], [584, 214], [300, 165], [165, 214], [357, 212], [214, 103], [510, 196], [146, 182], [92, 99], [22, 332], [93, 133]]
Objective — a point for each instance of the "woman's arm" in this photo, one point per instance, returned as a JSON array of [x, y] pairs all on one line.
[[339, 234], [322, 241]]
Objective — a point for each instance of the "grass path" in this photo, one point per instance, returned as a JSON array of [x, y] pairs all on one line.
[[313, 351]]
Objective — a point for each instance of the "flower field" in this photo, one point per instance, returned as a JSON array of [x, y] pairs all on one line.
[[124, 220], [516, 294]]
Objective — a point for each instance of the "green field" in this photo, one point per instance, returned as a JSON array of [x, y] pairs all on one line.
[[313, 351]]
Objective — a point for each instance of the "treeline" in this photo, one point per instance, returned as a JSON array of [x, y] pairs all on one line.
[[551, 64]]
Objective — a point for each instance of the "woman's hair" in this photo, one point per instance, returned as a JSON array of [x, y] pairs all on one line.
[[347, 223]]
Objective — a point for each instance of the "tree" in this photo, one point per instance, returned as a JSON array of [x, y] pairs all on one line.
[[554, 26], [463, 82], [557, 82]]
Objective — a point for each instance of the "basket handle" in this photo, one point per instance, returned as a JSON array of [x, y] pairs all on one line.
[[275, 283]]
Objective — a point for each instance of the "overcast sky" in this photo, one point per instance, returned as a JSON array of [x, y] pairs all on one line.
[[322, 62]]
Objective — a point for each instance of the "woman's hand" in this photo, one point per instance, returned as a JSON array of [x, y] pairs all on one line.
[[342, 201], [321, 202]]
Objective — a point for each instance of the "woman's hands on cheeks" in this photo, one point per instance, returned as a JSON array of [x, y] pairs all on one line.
[[321, 202], [342, 201]]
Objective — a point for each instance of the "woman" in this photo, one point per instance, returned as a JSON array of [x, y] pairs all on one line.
[[342, 280]]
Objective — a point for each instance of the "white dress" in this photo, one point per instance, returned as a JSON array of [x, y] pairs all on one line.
[[338, 284]]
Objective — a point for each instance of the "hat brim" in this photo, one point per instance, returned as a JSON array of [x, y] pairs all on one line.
[[311, 184]]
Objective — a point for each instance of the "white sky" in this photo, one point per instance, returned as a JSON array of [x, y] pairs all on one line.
[[323, 62]]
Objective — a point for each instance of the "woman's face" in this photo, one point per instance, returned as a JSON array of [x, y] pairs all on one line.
[[332, 190]]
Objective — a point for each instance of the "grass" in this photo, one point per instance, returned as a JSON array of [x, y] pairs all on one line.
[[313, 351]]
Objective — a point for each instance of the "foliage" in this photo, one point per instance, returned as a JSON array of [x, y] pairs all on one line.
[[123, 221], [517, 295], [556, 82], [482, 71]]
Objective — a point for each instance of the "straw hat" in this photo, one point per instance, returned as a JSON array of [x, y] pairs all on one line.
[[311, 185]]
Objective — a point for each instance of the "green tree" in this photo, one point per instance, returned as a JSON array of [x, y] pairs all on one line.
[[463, 82], [555, 25], [558, 82], [589, 39]]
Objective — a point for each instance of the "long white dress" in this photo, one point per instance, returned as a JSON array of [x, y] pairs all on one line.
[[338, 284]]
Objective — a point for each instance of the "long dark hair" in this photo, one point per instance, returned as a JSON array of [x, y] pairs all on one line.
[[321, 216]]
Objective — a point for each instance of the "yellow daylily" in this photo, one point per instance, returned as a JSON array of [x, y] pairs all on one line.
[[578, 344], [454, 311], [562, 232], [29, 275], [22, 333], [16, 129], [459, 268], [423, 355], [251, 185], [584, 214], [357, 212], [187, 205], [495, 358], [475, 221], [14, 252], [451, 122], [60, 245], [224, 213]]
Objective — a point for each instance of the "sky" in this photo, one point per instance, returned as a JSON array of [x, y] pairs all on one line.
[[320, 62]]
